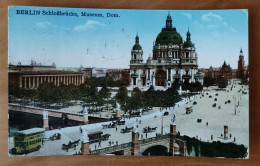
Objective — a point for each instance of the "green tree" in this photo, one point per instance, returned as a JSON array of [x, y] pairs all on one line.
[[222, 82], [122, 95]]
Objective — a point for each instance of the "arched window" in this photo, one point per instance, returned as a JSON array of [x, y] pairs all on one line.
[[187, 54], [134, 56]]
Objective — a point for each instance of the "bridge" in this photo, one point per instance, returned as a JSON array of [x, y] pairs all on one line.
[[173, 144]]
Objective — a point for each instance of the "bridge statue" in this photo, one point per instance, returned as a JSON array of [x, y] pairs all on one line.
[[180, 91], [135, 130], [85, 110], [45, 114], [118, 105], [173, 120], [84, 137]]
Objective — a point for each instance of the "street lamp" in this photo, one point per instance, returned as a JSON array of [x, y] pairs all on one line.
[[162, 126]]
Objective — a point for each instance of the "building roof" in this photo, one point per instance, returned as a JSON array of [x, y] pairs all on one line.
[[137, 46], [168, 36], [30, 131]]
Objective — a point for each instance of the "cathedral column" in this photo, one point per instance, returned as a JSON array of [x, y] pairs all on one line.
[[167, 75]]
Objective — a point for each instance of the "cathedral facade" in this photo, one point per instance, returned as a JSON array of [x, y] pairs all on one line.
[[172, 60]]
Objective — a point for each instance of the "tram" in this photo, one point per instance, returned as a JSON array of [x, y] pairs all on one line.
[[26, 141], [95, 136]]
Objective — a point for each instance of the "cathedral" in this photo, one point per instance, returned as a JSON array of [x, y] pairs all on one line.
[[173, 60]]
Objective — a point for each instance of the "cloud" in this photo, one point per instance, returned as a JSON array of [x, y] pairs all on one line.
[[188, 15], [88, 25], [43, 24], [211, 17], [213, 22]]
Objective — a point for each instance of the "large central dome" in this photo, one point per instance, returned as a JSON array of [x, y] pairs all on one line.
[[169, 35]]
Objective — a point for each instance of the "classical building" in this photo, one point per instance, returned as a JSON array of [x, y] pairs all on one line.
[[172, 60], [31, 76]]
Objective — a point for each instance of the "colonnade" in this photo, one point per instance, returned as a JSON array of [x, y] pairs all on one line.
[[33, 81]]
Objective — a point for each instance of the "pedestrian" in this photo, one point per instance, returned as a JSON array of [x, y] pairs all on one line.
[[146, 135], [211, 137], [230, 135], [234, 139], [207, 123], [116, 142], [95, 146], [116, 128]]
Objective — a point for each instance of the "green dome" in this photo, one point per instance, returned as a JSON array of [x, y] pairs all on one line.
[[170, 36], [137, 46], [188, 44]]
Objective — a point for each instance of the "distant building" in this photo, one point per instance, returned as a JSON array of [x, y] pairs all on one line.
[[31, 76], [172, 60], [223, 71], [119, 74]]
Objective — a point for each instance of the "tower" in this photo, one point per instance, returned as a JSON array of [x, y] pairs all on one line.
[[137, 52], [240, 66]]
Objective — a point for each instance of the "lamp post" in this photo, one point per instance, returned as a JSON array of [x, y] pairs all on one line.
[[162, 126]]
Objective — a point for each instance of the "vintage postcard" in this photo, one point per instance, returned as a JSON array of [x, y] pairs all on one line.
[[128, 82]]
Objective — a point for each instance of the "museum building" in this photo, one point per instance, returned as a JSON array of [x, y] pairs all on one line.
[[172, 60], [31, 76]]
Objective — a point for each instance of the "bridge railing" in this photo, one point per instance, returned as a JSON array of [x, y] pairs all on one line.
[[154, 139], [111, 149]]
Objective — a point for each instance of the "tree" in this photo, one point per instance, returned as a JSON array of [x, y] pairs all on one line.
[[122, 95], [222, 82]]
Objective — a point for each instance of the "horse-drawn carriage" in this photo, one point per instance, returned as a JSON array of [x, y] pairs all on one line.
[[105, 137], [194, 103], [56, 136], [149, 129], [126, 129], [70, 145]]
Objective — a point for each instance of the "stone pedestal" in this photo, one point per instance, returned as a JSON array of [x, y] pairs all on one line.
[[118, 116], [46, 124], [85, 148], [45, 120], [172, 139], [85, 118], [135, 147]]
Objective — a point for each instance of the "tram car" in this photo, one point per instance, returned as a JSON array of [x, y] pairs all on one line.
[[95, 136], [26, 141]]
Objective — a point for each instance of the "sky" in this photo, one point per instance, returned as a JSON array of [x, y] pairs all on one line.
[[106, 42]]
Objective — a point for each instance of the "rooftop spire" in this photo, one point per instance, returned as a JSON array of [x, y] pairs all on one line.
[[188, 35], [169, 21]]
